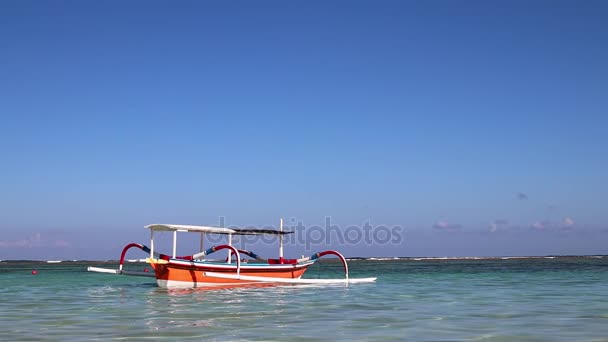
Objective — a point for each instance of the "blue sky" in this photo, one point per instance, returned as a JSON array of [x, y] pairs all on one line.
[[479, 127]]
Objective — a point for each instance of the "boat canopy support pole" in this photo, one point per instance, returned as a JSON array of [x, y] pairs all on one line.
[[174, 243], [151, 243], [202, 243], [230, 250]]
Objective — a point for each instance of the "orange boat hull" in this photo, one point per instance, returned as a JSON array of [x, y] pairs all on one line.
[[171, 275]]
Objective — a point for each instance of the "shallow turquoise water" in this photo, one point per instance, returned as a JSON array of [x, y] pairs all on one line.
[[562, 299]]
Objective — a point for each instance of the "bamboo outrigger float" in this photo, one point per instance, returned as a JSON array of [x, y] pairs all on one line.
[[172, 271]]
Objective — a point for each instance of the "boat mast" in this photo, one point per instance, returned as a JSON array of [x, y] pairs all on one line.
[[281, 242]]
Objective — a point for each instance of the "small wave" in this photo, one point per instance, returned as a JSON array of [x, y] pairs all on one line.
[[136, 260]]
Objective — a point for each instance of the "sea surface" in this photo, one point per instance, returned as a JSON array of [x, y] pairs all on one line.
[[520, 299]]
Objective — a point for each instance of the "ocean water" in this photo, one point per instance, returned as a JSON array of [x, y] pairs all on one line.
[[560, 299]]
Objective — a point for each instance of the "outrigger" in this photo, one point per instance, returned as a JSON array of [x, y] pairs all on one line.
[[172, 271]]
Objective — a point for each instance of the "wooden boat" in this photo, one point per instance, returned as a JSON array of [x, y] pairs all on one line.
[[172, 271]]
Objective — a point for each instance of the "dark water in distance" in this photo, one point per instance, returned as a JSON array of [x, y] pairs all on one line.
[[539, 299]]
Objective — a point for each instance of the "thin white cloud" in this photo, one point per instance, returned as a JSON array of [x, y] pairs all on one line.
[[34, 241], [61, 243], [497, 224], [443, 225], [541, 225], [545, 225]]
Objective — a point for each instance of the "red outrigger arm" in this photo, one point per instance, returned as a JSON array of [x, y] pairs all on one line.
[[161, 256], [320, 254], [147, 250]]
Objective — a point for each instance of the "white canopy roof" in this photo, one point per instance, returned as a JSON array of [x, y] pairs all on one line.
[[188, 228], [215, 230]]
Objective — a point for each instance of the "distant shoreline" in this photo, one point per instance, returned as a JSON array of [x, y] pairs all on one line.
[[408, 258]]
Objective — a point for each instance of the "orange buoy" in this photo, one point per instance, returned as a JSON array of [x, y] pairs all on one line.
[[146, 270], [34, 272]]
